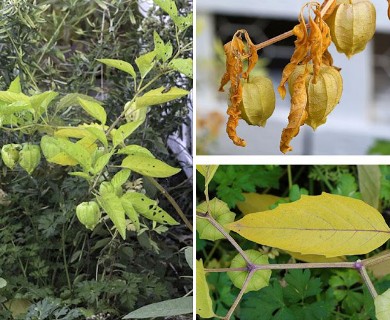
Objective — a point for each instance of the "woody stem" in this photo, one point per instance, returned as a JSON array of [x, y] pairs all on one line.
[[288, 34]]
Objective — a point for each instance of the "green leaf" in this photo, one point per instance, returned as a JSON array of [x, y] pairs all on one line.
[[220, 212], [347, 186], [166, 308], [94, 109], [125, 131], [158, 96], [184, 66], [3, 283], [131, 212], [382, 306], [148, 208], [188, 252], [183, 22], [119, 64], [135, 150], [99, 134], [101, 162], [15, 86], [168, 6], [40, 102], [72, 99], [11, 97], [207, 172], [18, 106], [145, 63], [260, 278], [81, 174], [301, 285], [112, 205], [204, 305], [162, 52], [120, 177], [370, 184], [148, 166]]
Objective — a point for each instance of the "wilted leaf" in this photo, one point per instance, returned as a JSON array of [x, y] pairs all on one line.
[[204, 305], [329, 225]]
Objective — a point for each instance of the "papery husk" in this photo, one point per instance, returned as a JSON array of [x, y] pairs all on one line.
[[323, 96], [352, 25], [258, 100]]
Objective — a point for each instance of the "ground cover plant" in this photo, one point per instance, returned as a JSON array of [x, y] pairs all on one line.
[[95, 209], [293, 242], [314, 83]]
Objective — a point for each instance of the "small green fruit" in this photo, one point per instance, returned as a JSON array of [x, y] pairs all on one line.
[[10, 154], [29, 157], [88, 214]]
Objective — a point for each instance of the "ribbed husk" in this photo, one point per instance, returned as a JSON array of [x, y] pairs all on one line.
[[322, 96], [258, 100], [352, 25]]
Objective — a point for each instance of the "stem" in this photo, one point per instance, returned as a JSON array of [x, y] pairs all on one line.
[[64, 257], [225, 234], [172, 201], [289, 175], [367, 281], [288, 34], [242, 291], [376, 260]]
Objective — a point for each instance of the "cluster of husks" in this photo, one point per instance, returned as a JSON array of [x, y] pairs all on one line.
[[315, 85]]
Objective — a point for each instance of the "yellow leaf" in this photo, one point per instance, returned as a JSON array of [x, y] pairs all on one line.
[[315, 257], [329, 225], [256, 202], [204, 307]]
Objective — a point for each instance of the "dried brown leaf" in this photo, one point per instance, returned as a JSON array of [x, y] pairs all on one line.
[[298, 113]]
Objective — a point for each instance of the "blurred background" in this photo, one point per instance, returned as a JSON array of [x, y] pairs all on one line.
[[359, 124]]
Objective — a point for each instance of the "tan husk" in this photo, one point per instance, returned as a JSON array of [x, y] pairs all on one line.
[[258, 100], [352, 24], [322, 96]]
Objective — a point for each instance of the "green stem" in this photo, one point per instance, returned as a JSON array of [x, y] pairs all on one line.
[[64, 257], [289, 175]]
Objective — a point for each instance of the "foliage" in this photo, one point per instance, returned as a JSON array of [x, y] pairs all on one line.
[[310, 293], [63, 149]]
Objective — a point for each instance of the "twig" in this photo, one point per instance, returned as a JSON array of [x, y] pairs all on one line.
[[172, 201], [288, 34]]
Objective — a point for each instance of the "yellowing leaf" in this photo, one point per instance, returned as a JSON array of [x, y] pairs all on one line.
[[370, 184], [149, 167], [259, 280], [183, 66], [220, 211], [15, 86], [204, 305], [112, 205], [255, 202], [94, 109], [145, 63], [158, 96], [135, 150], [124, 131], [119, 64], [382, 306], [329, 225], [315, 258], [207, 172]]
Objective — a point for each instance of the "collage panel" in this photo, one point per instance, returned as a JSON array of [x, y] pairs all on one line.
[[96, 174], [267, 85], [293, 242]]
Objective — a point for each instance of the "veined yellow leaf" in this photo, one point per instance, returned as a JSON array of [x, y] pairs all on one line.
[[315, 257], [158, 96], [149, 167], [329, 225], [204, 305], [256, 202]]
